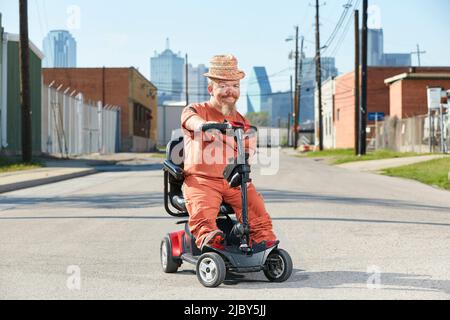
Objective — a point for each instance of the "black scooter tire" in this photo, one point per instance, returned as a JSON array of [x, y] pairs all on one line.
[[168, 263], [278, 267]]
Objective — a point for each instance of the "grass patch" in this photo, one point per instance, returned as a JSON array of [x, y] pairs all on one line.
[[340, 156], [331, 153], [14, 164], [433, 172]]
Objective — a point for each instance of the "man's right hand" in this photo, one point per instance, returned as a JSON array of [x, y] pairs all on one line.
[[208, 136], [200, 126]]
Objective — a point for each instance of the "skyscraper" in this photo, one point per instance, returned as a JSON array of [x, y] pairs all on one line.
[[281, 103], [329, 70], [198, 83], [259, 91], [375, 47], [60, 50], [166, 72], [377, 57]]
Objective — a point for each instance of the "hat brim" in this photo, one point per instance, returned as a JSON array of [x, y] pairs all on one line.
[[238, 76]]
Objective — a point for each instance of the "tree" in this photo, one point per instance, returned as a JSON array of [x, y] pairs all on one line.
[[258, 119]]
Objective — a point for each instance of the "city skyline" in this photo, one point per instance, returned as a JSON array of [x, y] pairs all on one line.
[[253, 42]]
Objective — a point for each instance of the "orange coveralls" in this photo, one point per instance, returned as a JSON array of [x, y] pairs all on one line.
[[205, 188]]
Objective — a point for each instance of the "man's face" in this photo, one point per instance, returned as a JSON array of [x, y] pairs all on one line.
[[226, 93]]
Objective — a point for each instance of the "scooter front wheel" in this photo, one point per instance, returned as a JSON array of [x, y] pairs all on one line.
[[211, 270], [278, 266]]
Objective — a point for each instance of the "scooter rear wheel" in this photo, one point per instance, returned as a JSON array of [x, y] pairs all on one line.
[[168, 263], [278, 267], [211, 270]]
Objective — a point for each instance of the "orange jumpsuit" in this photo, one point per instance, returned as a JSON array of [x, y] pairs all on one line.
[[205, 188]]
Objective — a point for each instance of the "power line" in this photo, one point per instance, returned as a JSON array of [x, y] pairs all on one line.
[[339, 24], [344, 33]]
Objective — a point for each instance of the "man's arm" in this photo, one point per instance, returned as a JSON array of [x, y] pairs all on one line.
[[191, 119]]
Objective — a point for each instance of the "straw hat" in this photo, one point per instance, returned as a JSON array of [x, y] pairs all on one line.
[[224, 67]]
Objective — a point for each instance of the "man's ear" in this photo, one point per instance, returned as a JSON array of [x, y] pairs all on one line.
[[210, 89]]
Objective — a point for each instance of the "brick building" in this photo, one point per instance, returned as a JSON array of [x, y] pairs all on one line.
[[379, 98], [408, 92], [124, 87]]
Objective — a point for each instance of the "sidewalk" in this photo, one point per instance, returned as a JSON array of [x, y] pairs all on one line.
[[56, 170], [377, 165]]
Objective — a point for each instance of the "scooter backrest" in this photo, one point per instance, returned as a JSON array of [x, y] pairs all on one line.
[[175, 151]]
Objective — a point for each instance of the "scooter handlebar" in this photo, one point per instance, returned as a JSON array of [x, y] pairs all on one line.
[[223, 127]]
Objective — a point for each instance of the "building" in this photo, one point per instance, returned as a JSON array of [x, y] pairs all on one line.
[[376, 55], [169, 115], [375, 47], [397, 59], [328, 91], [60, 49], [329, 70], [124, 87], [10, 96], [380, 99], [408, 91], [197, 83], [281, 106], [259, 91], [167, 74]]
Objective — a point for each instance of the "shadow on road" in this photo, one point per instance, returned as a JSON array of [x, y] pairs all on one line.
[[146, 200], [103, 201], [122, 217], [346, 279], [285, 196]]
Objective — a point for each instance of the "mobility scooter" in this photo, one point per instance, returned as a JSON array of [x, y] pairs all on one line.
[[236, 255]]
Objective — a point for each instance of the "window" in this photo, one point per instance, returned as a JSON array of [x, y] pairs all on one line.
[[142, 121]]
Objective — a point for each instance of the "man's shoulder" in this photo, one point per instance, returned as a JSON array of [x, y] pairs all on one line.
[[196, 107]]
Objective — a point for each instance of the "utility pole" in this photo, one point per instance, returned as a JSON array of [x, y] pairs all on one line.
[[357, 102], [25, 82], [363, 112], [319, 76], [296, 99], [187, 80], [418, 52], [300, 82], [291, 113]]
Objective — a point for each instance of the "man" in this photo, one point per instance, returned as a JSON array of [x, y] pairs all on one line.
[[205, 188]]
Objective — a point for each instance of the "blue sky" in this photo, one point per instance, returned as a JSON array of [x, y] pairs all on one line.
[[112, 33]]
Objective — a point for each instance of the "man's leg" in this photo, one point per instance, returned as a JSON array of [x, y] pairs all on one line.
[[258, 219], [203, 199]]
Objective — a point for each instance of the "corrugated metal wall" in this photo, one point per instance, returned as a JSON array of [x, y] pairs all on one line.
[[74, 127], [14, 116]]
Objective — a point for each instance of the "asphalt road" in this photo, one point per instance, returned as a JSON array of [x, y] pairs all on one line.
[[351, 235]]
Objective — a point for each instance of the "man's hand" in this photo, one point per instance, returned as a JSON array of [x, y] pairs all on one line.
[[211, 135], [200, 125]]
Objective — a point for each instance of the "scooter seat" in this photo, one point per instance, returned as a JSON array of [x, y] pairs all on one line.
[[179, 202]]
